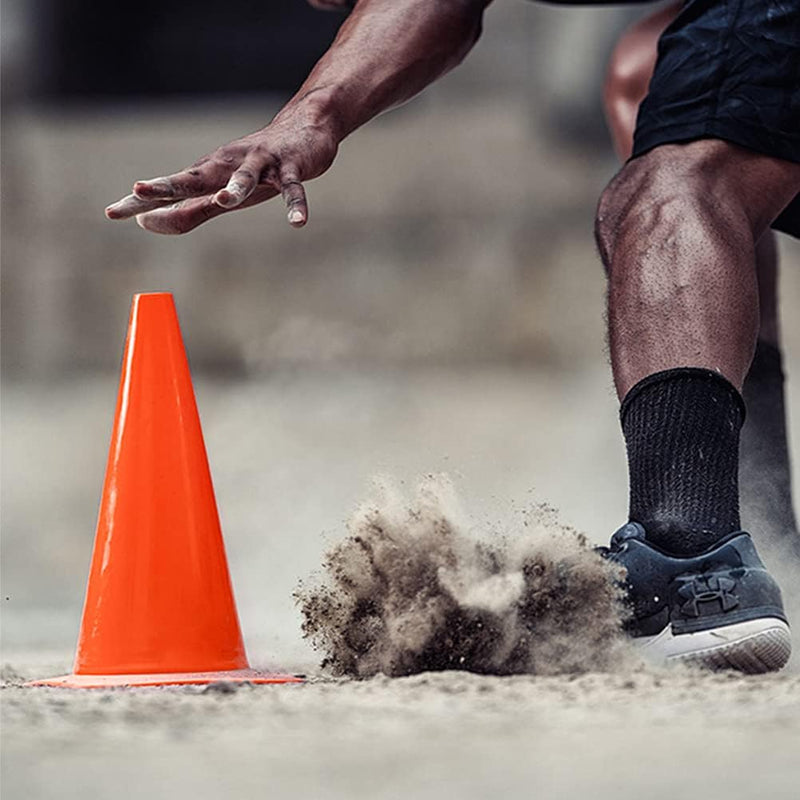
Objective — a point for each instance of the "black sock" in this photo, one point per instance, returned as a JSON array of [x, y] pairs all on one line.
[[681, 431], [764, 470]]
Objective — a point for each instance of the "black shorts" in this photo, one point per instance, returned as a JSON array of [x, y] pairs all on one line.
[[729, 69]]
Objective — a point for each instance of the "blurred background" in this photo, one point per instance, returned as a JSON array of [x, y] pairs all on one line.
[[442, 311]]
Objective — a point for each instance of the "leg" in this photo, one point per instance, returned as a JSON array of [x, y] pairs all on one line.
[[765, 473], [628, 76], [764, 469], [679, 230], [683, 293], [683, 289]]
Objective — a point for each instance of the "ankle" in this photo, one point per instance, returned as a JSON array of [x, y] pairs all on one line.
[[681, 430]]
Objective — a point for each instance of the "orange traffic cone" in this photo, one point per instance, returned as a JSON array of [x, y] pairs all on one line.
[[159, 605]]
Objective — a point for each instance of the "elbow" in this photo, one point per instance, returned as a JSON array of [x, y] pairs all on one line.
[[469, 19], [475, 34]]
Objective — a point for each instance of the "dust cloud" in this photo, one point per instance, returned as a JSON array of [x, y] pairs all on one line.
[[412, 588], [780, 554]]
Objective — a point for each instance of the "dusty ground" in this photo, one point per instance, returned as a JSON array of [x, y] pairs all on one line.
[[291, 456], [429, 736]]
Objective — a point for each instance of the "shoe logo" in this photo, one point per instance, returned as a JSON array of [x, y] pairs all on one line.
[[707, 590]]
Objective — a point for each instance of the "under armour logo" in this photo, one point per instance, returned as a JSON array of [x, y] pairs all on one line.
[[707, 590]]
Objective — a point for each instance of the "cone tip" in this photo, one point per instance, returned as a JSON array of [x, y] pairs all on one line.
[[139, 295], [163, 301]]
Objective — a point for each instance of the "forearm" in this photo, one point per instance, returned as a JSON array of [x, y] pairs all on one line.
[[385, 53]]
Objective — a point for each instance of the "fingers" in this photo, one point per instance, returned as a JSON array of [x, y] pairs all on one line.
[[180, 202], [180, 217], [246, 179], [196, 181], [186, 215], [294, 195], [241, 185], [131, 205]]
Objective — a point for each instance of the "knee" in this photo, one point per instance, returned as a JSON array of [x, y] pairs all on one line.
[[634, 58], [665, 200], [628, 73], [614, 208], [627, 78], [621, 202]]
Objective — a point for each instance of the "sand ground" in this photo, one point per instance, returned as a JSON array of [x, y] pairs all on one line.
[[291, 456], [429, 736]]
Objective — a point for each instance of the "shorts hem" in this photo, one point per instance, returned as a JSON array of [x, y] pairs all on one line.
[[785, 146], [751, 137]]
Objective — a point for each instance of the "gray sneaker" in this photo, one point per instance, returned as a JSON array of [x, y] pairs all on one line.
[[719, 609]]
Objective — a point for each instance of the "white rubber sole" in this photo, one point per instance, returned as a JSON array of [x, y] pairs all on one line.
[[755, 646]]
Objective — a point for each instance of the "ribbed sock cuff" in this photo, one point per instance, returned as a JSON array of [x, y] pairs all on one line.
[[694, 374], [681, 430]]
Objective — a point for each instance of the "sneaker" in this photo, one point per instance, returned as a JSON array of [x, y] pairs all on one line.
[[720, 609]]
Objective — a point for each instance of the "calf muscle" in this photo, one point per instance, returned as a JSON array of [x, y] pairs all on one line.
[[677, 230]]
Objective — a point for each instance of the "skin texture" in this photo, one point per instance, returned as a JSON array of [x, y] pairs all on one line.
[[764, 469], [677, 230], [627, 79], [353, 82], [682, 287], [767, 275], [680, 229]]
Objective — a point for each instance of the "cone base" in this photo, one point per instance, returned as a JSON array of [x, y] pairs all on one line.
[[165, 679]]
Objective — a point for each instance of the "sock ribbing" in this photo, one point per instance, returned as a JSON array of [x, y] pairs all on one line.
[[681, 430]]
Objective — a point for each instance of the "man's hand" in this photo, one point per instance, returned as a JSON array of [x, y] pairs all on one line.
[[385, 52], [275, 160]]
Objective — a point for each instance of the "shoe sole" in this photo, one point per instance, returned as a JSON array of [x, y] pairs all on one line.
[[753, 647]]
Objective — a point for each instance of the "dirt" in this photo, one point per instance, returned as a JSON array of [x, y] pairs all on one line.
[[412, 588], [291, 458], [620, 735]]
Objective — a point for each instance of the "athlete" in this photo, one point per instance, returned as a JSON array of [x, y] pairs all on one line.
[[764, 468], [764, 471], [714, 162]]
